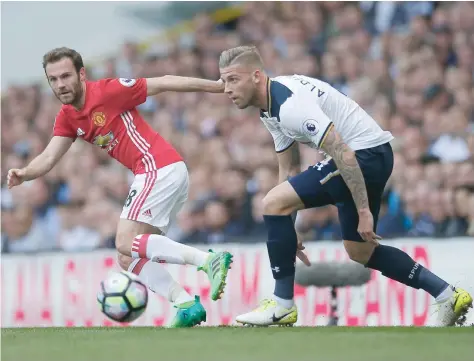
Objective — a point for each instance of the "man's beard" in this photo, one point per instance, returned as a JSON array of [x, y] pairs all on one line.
[[73, 97]]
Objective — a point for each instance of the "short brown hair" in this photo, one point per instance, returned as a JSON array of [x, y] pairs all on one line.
[[241, 54], [57, 54]]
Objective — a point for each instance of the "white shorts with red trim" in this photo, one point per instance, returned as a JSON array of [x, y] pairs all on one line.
[[157, 196]]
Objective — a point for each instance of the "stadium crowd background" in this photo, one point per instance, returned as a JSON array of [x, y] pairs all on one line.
[[410, 65]]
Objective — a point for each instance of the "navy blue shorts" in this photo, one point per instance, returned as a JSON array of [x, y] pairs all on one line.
[[321, 185]]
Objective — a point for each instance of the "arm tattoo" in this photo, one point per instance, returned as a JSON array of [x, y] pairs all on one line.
[[347, 164]]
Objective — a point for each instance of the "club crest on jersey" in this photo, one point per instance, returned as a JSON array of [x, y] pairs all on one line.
[[104, 140], [310, 127], [98, 118], [127, 82]]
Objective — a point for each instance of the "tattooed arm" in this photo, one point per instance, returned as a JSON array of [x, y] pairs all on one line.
[[347, 165], [304, 117]]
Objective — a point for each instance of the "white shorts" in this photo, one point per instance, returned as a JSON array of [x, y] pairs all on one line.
[[157, 196]]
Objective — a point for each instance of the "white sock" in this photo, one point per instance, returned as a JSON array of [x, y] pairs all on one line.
[[445, 295], [162, 249], [159, 280], [284, 303]]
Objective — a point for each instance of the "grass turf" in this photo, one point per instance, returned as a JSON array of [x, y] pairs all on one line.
[[238, 343]]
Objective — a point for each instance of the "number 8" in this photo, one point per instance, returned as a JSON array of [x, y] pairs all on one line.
[[129, 199]]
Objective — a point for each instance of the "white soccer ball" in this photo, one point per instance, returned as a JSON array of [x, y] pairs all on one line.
[[122, 297]]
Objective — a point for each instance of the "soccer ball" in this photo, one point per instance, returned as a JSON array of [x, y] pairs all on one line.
[[122, 297]]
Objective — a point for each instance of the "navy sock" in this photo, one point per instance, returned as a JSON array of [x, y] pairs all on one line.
[[281, 246], [399, 266], [431, 283]]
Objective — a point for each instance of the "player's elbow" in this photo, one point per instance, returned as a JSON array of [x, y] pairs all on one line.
[[153, 86], [342, 154], [157, 85], [348, 156]]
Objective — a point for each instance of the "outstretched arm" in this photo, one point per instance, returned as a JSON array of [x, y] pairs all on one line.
[[182, 84], [42, 164]]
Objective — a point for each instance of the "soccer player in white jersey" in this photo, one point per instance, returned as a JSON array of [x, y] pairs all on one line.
[[299, 109]]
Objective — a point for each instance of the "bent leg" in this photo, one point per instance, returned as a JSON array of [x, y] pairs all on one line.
[[302, 191], [282, 242], [392, 262], [156, 277], [153, 202], [141, 240]]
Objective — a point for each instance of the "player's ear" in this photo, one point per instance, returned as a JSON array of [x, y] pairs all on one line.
[[82, 74], [257, 76]]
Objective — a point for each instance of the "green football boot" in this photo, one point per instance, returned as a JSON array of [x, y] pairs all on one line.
[[217, 266], [189, 314]]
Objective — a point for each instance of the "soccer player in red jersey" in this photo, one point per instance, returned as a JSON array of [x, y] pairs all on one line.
[[104, 113]]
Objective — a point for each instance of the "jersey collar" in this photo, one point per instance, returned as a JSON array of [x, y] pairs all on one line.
[[269, 100]]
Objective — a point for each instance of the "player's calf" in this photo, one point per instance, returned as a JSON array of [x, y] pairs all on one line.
[[359, 252], [156, 277], [159, 280], [159, 248], [278, 205], [399, 266], [140, 240]]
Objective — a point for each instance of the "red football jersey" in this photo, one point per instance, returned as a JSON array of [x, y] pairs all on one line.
[[110, 120]]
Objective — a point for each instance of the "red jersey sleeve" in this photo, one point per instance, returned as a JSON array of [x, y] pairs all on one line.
[[126, 93], [62, 128]]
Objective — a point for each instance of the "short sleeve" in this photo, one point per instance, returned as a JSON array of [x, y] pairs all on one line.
[[309, 119], [126, 93], [62, 128], [282, 141]]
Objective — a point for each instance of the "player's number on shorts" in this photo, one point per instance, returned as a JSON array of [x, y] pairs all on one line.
[[129, 199]]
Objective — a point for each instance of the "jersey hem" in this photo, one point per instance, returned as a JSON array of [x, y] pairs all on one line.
[[371, 145], [286, 148], [163, 164]]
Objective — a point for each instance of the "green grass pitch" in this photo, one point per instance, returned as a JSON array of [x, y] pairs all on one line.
[[238, 344]]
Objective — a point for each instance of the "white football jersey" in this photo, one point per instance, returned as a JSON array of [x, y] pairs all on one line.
[[304, 109]]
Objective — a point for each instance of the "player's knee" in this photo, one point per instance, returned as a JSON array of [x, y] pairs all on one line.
[[273, 204], [124, 261]]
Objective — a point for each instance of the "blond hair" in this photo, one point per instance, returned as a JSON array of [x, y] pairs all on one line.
[[247, 55]]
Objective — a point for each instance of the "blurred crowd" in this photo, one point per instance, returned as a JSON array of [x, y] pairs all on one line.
[[409, 64]]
